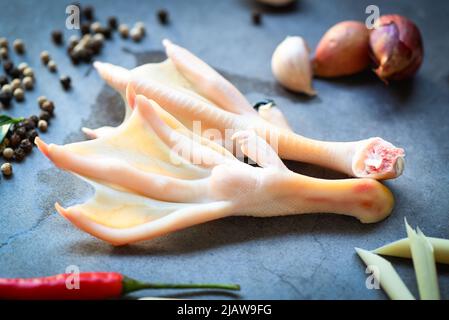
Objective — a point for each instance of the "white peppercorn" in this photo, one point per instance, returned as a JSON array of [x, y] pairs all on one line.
[[45, 57], [19, 95], [6, 169], [28, 83], [52, 66], [124, 30]]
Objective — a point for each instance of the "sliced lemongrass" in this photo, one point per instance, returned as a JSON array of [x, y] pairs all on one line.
[[401, 248], [386, 275], [424, 264]]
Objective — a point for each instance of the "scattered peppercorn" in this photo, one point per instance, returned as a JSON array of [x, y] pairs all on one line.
[[20, 130], [124, 30], [15, 73], [15, 84], [95, 27], [141, 26], [26, 145], [106, 32], [6, 169], [57, 37], [34, 119], [48, 106], [65, 82], [256, 17], [3, 43], [19, 95], [44, 115], [7, 88], [19, 46], [5, 97], [22, 66], [162, 16], [88, 12], [41, 100], [14, 140], [42, 125], [45, 57], [113, 22], [8, 66], [31, 135], [29, 124], [3, 80], [136, 34], [19, 154], [28, 72], [28, 83], [4, 53], [85, 28], [52, 66], [74, 40], [8, 153]]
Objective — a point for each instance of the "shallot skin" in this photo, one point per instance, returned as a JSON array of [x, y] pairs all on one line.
[[343, 50], [396, 46]]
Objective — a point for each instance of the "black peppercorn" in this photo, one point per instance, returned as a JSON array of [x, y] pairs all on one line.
[[31, 135], [29, 124], [113, 23], [44, 115], [57, 37], [256, 17], [48, 106], [21, 132], [14, 140], [42, 125], [5, 98], [106, 32], [19, 154], [162, 16], [34, 119], [15, 73], [85, 28], [8, 66], [26, 145], [3, 80], [65, 82], [88, 13]]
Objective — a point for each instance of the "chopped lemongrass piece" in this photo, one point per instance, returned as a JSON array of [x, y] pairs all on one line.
[[387, 276], [424, 264], [401, 248]]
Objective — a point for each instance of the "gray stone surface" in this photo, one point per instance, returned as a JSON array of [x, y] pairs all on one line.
[[297, 257]]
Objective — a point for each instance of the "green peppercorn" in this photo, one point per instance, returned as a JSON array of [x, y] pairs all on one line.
[[52, 66], [28, 83], [6, 169], [19, 154], [45, 57], [19, 46], [19, 95], [8, 153], [42, 125]]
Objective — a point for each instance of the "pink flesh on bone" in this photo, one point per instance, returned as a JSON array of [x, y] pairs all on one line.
[[383, 158]]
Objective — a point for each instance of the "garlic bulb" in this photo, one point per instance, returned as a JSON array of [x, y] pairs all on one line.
[[291, 65], [276, 3]]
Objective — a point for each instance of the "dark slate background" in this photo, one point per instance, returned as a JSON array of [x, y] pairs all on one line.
[[297, 257]]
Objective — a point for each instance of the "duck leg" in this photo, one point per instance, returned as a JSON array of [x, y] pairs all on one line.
[[146, 186]]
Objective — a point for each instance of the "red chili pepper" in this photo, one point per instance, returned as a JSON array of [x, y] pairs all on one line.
[[92, 286]]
